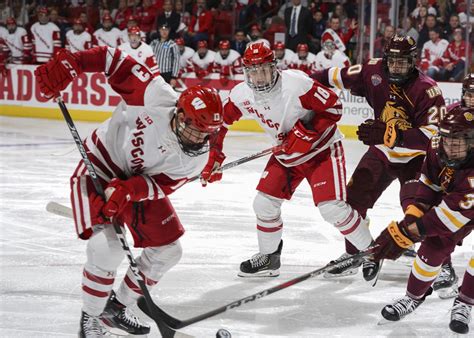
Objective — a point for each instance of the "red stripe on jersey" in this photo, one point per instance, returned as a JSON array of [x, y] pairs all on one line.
[[267, 229], [132, 285], [95, 293], [97, 279], [340, 177], [82, 221], [117, 172]]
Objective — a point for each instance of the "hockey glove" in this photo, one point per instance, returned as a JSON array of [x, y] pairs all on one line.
[[212, 172], [56, 75], [395, 239], [299, 139], [96, 205], [120, 192], [371, 132]]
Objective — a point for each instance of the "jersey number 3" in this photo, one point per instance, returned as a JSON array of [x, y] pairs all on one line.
[[137, 70]]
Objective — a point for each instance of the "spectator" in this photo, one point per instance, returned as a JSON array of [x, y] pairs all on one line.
[[274, 25], [169, 18], [298, 20], [330, 56], [92, 13], [140, 51], [147, 17], [255, 35], [430, 23], [121, 14], [319, 26], [167, 55], [423, 4], [185, 55], [45, 38], [408, 28], [239, 43], [203, 60], [432, 53], [283, 56], [335, 33], [258, 11], [107, 35], [227, 61], [78, 39], [17, 44], [454, 58], [421, 18], [379, 43], [201, 24], [85, 21], [451, 26], [304, 59]]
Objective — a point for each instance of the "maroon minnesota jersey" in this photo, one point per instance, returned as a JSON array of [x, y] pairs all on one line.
[[417, 106], [450, 192]]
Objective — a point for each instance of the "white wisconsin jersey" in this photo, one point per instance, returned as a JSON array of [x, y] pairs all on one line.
[[124, 36], [78, 42], [185, 58], [15, 43], [265, 42], [310, 60], [108, 38], [138, 138], [45, 39], [205, 61], [286, 60], [143, 54], [339, 59], [278, 111], [434, 50], [229, 60]]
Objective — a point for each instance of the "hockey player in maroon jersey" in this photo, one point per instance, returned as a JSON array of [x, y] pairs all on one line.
[[154, 142], [300, 115], [441, 215], [407, 107]]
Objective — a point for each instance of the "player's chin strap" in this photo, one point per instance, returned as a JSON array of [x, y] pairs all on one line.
[[165, 330], [157, 314]]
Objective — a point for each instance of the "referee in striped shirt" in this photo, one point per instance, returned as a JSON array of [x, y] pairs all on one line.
[[167, 55]]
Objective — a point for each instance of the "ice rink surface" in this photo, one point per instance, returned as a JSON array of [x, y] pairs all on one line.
[[41, 258]]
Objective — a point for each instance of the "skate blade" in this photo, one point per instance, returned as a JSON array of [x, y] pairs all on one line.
[[384, 321], [350, 272], [266, 273], [447, 293]]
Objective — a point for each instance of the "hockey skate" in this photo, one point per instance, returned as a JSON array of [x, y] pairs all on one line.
[[408, 256], [91, 327], [346, 268], [370, 269], [446, 284], [120, 320], [402, 307], [460, 317], [262, 265]]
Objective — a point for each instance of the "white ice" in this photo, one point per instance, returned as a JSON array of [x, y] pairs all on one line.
[[41, 258]]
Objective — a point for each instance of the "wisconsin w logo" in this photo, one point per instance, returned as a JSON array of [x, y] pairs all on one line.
[[198, 103]]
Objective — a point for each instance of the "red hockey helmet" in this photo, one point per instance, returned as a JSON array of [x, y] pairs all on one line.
[[399, 59], [107, 17], [135, 30], [131, 18], [302, 47], [260, 69], [467, 96], [199, 115], [10, 21], [179, 41], [279, 45], [457, 137], [43, 10], [224, 44]]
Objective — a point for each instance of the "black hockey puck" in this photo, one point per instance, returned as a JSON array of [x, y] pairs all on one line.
[[223, 333]]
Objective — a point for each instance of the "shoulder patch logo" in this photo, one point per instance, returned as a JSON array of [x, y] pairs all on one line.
[[376, 79], [468, 116]]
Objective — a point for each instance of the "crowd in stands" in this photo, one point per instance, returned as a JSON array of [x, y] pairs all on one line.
[[210, 36]]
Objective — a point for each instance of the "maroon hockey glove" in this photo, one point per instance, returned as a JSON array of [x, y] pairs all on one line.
[[395, 239], [211, 172], [372, 132], [56, 75], [299, 139], [120, 192]]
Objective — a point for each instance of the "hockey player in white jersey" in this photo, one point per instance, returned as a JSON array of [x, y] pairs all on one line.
[[17, 44], [330, 56], [304, 60], [139, 50], [203, 59], [77, 39], [227, 61], [283, 55], [153, 143], [299, 115], [186, 53], [132, 21], [45, 37], [108, 35]]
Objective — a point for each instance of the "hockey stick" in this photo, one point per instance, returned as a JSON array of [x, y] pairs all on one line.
[[164, 329], [157, 314], [64, 211]]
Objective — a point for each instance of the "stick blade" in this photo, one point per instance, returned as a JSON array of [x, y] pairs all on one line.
[[59, 209], [158, 315]]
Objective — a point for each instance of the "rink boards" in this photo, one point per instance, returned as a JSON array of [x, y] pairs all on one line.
[[90, 98]]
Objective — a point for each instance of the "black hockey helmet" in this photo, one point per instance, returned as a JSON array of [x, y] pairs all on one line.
[[399, 59], [468, 88], [457, 137]]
